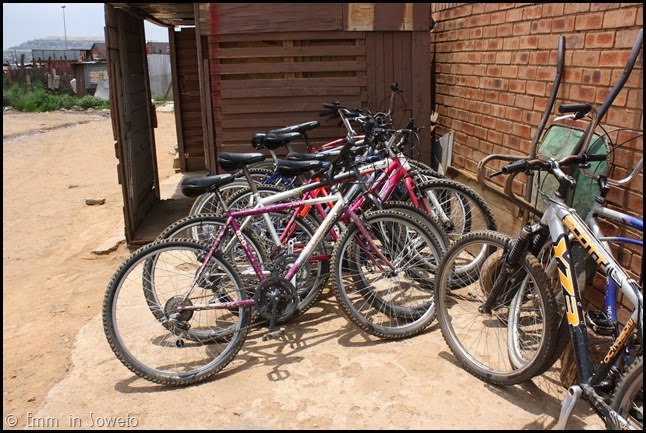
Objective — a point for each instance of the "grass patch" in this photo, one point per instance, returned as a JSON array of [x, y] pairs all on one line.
[[39, 99]]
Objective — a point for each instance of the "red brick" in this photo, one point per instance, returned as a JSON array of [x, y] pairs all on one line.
[[635, 98], [498, 18], [521, 28], [596, 76], [509, 71], [517, 86], [504, 30], [510, 44], [625, 38], [585, 58], [489, 32], [553, 9], [503, 126], [493, 71], [589, 21], [507, 99], [528, 42], [541, 26], [527, 73], [600, 40], [614, 58], [536, 88], [532, 12], [520, 57], [491, 7], [563, 24], [491, 97], [503, 57], [523, 101], [619, 18], [476, 33], [522, 131], [582, 94], [575, 8], [514, 15], [539, 58], [494, 44], [489, 57]]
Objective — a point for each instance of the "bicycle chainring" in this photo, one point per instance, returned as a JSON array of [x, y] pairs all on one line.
[[278, 292], [283, 262]]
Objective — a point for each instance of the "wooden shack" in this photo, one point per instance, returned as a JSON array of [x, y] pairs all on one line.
[[242, 68]]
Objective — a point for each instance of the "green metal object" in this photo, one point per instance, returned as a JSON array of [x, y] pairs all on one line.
[[558, 142]]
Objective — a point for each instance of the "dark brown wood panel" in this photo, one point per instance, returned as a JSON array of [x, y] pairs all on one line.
[[296, 17], [188, 98], [134, 122], [272, 80]]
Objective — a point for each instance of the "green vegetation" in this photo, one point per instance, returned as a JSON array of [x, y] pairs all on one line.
[[39, 99]]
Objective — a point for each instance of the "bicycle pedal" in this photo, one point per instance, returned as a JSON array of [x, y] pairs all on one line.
[[599, 323], [274, 335]]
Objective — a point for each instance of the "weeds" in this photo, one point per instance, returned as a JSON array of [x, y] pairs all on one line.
[[39, 99]]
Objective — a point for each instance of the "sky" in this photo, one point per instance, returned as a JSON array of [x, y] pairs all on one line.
[[22, 22]]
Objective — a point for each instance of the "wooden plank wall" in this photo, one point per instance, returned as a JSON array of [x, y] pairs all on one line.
[[189, 112], [133, 127], [270, 80], [403, 57]]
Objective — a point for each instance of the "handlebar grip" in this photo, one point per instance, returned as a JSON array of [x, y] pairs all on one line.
[[516, 167], [581, 109], [331, 106]]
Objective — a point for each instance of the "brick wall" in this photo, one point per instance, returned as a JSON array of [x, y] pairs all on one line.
[[495, 65]]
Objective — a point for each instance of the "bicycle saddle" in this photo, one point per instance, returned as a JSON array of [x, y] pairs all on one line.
[[290, 168], [273, 140], [300, 128], [319, 156], [195, 186], [235, 161]]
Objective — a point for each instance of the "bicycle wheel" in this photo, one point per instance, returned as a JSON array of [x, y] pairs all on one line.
[[431, 223], [387, 302], [204, 228], [457, 208], [628, 396], [208, 202], [313, 275], [175, 346], [481, 341]]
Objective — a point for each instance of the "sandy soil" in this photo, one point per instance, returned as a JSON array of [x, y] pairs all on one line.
[[59, 372]]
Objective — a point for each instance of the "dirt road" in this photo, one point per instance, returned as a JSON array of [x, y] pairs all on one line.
[[58, 371]]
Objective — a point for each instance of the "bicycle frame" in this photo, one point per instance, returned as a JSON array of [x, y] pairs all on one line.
[[562, 222], [264, 208], [610, 298]]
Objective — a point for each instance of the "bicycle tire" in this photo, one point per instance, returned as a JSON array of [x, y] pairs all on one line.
[[160, 353], [462, 209], [311, 282], [377, 301], [628, 397], [204, 227], [208, 203], [480, 341]]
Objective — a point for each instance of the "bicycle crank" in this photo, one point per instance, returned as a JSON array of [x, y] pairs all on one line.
[[276, 299]]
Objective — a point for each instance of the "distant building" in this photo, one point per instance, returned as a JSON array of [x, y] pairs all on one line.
[[98, 51], [158, 48]]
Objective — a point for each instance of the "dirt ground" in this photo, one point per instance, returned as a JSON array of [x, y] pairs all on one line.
[[58, 371]]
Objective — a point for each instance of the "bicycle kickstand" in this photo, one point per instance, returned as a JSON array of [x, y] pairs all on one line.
[[571, 397]]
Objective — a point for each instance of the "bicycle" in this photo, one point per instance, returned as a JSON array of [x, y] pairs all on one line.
[[505, 286], [205, 316]]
